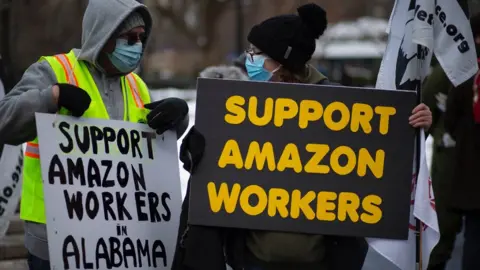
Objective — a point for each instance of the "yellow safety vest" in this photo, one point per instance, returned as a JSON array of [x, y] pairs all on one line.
[[68, 70]]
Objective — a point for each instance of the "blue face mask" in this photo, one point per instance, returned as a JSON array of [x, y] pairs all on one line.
[[126, 57], [255, 69]]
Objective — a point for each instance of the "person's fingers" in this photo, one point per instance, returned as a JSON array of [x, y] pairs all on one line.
[[420, 123], [423, 119], [419, 115], [420, 107], [425, 123]]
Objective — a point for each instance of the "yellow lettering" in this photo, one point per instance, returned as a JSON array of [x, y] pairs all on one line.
[[348, 204], [285, 108], [329, 206], [371, 205], [362, 114], [231, 155], [237, 113], [253, 112], [344, 118], [223, 197], [325, 205], [319, 152], [277, 202], [385, 113], [253, 210], [300, 203], [310, 110], [366, 160], [335, 160], [290, 158], [260, 156]]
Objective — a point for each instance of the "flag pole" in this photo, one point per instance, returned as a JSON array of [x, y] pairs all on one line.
[[418, 146]]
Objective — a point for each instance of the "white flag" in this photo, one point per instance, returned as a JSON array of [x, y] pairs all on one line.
[[402, 253], [441, 27], [454, 43], [11, 165]]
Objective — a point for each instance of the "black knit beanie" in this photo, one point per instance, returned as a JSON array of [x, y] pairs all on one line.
[[290, 39]]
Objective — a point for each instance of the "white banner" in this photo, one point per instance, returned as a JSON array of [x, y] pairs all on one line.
[[442, 28], [454, 43], [404, 66], [402, 253], [11, 165], [112, 193]]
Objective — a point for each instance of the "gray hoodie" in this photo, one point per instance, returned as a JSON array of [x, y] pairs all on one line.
[[34, 91]]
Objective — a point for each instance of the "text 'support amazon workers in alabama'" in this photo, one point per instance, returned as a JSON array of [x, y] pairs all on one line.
[[304, 158], [112, 193]]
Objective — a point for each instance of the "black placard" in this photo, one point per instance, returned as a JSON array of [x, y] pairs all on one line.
[[304, 158]]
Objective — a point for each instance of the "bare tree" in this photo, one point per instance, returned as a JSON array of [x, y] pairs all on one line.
[[196, 19], [34, 28]]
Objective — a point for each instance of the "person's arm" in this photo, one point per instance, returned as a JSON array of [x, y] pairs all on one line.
[[436, 83], [32, 94]]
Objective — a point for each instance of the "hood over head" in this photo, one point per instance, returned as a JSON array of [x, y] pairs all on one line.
[[100, 21]]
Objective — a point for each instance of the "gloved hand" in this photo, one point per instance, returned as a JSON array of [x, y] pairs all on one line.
[[192, 149], [166, 114], [72, 98]]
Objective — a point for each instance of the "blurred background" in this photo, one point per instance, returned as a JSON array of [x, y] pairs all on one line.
[[190, 35]]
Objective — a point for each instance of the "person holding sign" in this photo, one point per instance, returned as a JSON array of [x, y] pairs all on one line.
[[96, 81], [280, 49]]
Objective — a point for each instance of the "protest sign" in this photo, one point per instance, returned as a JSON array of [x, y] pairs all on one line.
[[303, 158], [11, 164], [112, 193]]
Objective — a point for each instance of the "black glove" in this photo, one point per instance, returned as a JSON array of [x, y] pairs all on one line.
[[192, 149], [166, 114], [74, 99]]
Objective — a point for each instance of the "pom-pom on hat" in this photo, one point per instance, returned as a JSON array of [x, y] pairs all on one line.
[[290, 39]]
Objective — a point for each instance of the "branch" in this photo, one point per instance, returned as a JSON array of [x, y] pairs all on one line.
[[212, 12], [177, 21]]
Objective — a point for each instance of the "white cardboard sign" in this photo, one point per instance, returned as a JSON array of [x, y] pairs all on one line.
[[112, 193]]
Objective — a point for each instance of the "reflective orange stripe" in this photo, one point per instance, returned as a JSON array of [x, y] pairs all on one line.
[[67, 68], [32, 150], [132, 82]]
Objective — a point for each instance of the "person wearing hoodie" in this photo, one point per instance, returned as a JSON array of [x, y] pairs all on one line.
[[95, 81]]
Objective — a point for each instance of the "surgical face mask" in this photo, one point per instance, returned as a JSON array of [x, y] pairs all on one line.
[[126, 57], [255, 69]]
